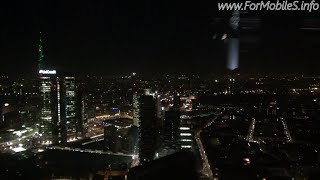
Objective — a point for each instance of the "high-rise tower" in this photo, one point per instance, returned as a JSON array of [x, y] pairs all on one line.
[[48, 92], [41, 54], [59, 120], [149, 132]]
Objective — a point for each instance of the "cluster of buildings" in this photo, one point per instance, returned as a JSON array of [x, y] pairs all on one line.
[[261, 117], [155, 130], [61, 108]]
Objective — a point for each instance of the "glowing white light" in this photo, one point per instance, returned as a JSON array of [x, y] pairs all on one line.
[[47, 71], [18, 149], [246, 160], [233, 53], [40, 150], [214, 36], [184, 128], [185, 134], [186, 140], [186, 146], [6, 104], [224, 36]]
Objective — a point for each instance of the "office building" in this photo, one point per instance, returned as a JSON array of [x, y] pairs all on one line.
[[171, 136], [58, 108], [119, 135], [149, 133]]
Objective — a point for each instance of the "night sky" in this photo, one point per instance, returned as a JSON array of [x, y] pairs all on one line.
[[147, 36]]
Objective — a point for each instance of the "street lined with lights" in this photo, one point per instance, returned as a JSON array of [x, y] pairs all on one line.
[[206, 169]]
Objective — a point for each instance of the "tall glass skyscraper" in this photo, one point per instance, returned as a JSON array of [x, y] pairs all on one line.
[[46, 113], [149, 133], [58, 120], [70, 103]]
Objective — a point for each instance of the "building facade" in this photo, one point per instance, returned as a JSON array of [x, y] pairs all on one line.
[[149, 129]]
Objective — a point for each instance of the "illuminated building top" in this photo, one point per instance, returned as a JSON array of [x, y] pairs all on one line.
[[41, 54], [41, 71]]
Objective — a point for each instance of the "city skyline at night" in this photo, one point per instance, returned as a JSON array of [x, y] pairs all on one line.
[[139, 90]]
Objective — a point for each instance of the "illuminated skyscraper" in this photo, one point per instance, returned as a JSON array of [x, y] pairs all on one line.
[[46, 112], [135, 100], [41, 54], [58, 121], [171, 125], [135, 107], [70, 104], [53, 108], [48, 93]]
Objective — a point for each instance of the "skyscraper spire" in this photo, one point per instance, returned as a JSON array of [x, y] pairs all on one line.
[[41, 54]]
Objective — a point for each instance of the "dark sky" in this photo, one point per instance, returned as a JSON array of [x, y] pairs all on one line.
[[146, 35]]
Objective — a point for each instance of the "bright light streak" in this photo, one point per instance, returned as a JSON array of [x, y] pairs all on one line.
[[40, 150], [184, 128], [224, 36], [233, 54], [185, 134], [99, 135], [18, 149]]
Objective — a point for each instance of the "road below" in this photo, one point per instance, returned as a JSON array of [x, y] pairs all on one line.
[[206, 169]]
